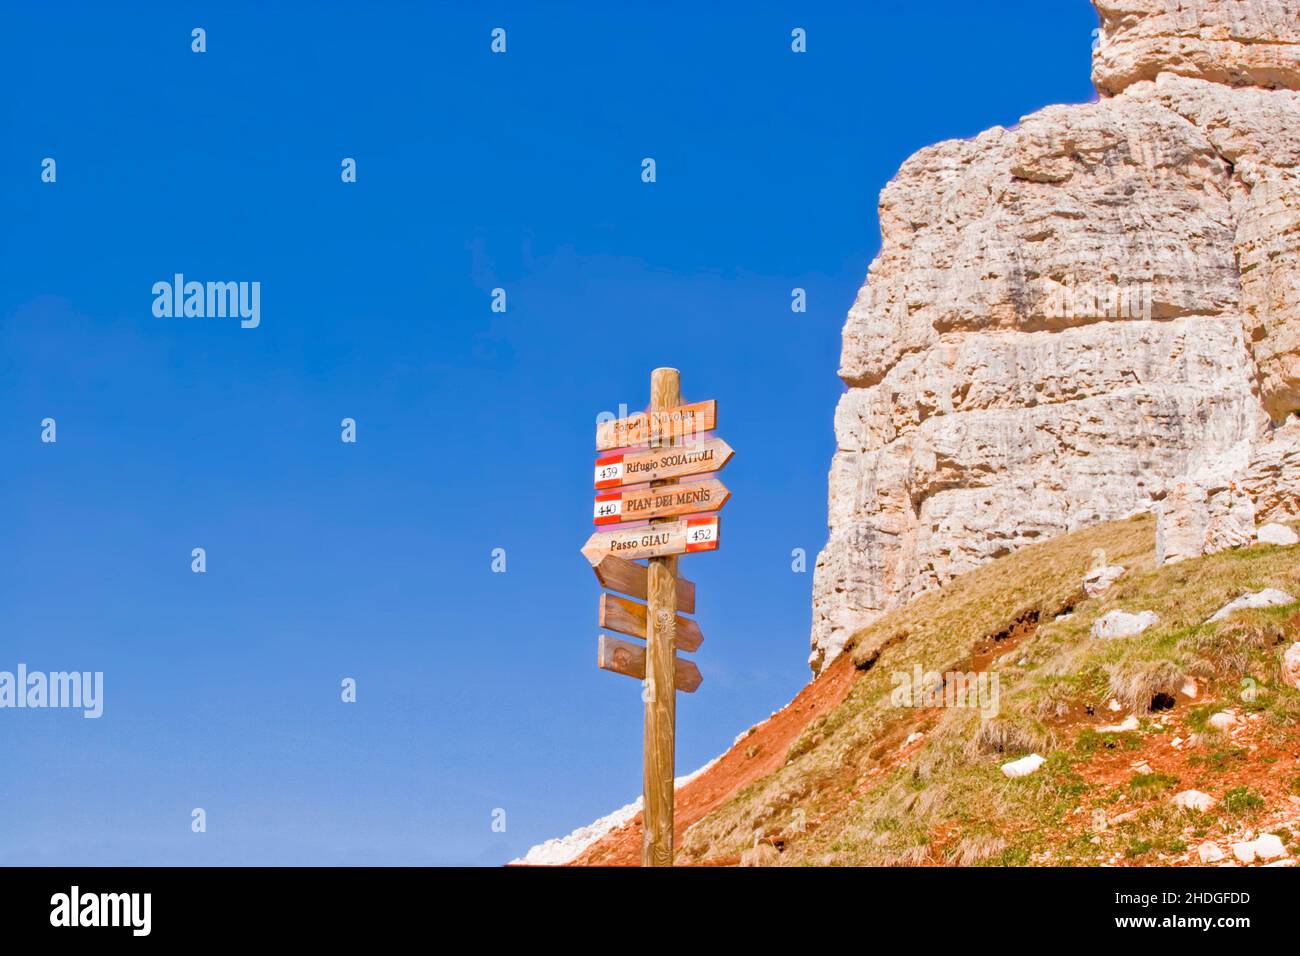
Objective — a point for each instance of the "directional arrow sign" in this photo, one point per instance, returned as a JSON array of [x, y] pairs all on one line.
[[662, 502], [657, 426], [654, 541], [629, 617], [624, 657], [619, 574], [654, 464]]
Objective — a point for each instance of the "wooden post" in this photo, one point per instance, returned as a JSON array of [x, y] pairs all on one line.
[[660, 694]]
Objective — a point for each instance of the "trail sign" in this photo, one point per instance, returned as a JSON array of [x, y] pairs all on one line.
[[682, 536], [653, 464], [666, 501], [657, 425], [629, 617], [628, 577], [624, 657], [666, 535]]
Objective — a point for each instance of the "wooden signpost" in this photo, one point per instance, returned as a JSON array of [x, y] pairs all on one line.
[[628, 577], [654, 540], [658, 425], [656, 463], [615, 506], [624, 657], [630, 617], [680, 521]]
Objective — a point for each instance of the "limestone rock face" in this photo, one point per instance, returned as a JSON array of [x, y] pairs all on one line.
[[1235, 42], [1272, 478], [1094, 313]]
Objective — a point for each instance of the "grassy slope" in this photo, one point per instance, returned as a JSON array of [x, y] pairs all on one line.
[[869, 791]]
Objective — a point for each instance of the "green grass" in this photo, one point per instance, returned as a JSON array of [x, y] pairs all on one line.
[[1242, 802], [952, 787], [1145, 786]]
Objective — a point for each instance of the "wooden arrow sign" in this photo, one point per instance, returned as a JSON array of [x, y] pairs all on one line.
[[654, 464], [654, 541], [629, 617], [619, 574], [656, 426], [662, 502], [624, 657]]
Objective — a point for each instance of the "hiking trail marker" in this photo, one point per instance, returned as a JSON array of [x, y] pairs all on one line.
[[681, 519]]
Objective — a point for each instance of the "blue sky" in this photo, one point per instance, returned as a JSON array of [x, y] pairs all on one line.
[[372, 560]]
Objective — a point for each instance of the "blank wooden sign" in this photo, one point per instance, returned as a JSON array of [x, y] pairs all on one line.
[[629, 617], [628, 577], [624, 657]]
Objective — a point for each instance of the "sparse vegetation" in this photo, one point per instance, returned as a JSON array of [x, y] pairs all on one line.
[[946, 801], [1242, 802], [1144, 786]]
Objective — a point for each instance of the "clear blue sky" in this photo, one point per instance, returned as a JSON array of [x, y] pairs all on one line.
[[325, 560]]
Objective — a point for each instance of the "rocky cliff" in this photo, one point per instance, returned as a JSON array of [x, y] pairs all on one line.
[[1091, 314]]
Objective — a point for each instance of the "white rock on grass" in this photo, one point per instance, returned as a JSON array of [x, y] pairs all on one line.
[[1127, 725], [1291, 666], [1269, 847], [1209, 853], [1123, 624], [1269, 597], [1223, 720], [1189, 688], [1024, 766], [1266, 847], [1194, 800], [1276, 534], [1098, 580]]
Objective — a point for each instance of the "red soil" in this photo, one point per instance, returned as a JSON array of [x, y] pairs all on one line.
[[752, 757]]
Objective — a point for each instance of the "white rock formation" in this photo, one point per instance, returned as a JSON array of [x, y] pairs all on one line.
[[1269, 597], [1123, 624], [1209, 853], [1125, 726], [1194, 800], [1098, 580], [1265, 847], [1237, 43], [1093, 313], [1224, 720], [1291, 666], [1276, 534], [1024, 766]]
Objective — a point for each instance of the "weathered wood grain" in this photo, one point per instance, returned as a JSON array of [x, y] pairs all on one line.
[[658, 425], [655, 464], [630, 617], [660, 502], [624, 657], [663, 539], [628, 577]]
